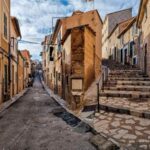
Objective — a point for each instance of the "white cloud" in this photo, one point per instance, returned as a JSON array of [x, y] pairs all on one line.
[[35, 16]]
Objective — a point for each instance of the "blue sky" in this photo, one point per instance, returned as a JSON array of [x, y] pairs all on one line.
[[35, 16]]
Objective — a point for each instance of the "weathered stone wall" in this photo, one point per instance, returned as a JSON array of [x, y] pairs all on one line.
[[110, 22], [92, 19], [77, 52], [147, 42], [89, 59]]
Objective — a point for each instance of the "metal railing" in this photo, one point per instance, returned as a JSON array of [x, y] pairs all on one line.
[[100, 84]]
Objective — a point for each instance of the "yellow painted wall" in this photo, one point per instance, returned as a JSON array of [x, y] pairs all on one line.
[[20, 73], [13, 86], [4, 43]]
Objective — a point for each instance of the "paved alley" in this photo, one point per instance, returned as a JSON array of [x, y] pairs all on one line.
[[29, 124]]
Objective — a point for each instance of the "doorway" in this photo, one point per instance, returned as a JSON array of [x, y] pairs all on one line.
[[121, 55], [13, 82], [115, 53], [125, 56]]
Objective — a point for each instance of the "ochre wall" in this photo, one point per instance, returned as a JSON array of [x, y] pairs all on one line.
[[89, 58]]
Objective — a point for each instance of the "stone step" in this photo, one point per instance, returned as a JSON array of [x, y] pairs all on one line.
[[126, 72], [125, 76], [123, 109], [137, 83], [128, 79], [129, 88], [125, 94], [122, 70]]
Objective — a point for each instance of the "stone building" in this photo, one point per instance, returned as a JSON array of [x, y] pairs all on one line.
[[27, 66], [110, 21], [21, 72], [43, 55], [4, 50], [78, 63], [114, 40], [15, 35], [78, 18], [47, 63], [143, 22], [129, 50]]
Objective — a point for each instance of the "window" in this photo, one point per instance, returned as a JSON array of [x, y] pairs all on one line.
[[59, 76], [5, 78], [122, 40], [12, 42], [5, 26], [27, 64], [146, 12], [59, 41], [51, 58], [131, 49]]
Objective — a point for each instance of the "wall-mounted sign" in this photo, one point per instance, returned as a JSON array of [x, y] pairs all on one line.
[[76, 84]]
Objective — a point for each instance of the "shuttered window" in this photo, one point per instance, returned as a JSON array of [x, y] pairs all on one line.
[[5, 26]]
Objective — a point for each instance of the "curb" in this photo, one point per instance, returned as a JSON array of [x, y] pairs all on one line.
[[123, 110], [62, 103], [12, 100]]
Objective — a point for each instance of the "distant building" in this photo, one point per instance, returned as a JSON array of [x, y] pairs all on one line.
[[111, 20], [46, 60], [129, 50], [21, 72], [27, 67], [143, 22]]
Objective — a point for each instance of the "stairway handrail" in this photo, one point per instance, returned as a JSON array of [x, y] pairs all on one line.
[[100, 84]]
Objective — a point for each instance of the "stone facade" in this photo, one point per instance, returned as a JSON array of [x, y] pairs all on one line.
[[129, 44], [4, 50], [55, 51], [20, 72], [143, 23], [111, 20], [78, 18], [78, 49], [15, 34], [27, 66]]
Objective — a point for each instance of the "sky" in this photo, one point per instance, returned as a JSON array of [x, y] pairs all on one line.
[[35, 16]]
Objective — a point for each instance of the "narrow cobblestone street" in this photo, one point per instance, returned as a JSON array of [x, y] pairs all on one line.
[[29, 124]]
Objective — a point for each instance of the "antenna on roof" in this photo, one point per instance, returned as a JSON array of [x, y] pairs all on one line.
[[91, 1]]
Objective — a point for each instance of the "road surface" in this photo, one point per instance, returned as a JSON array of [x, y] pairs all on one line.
[[30, 124]]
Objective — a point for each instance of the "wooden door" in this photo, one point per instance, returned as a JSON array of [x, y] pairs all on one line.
[[125, 56]]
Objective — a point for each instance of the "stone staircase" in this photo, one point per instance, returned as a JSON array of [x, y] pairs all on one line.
[[126, 82], [127, 91]]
